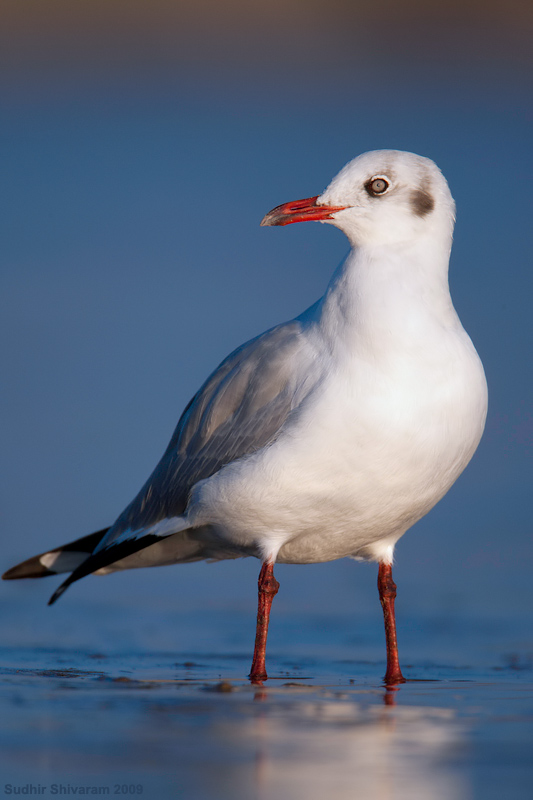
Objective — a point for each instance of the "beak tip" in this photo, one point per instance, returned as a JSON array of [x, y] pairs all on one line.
[[269, 220]]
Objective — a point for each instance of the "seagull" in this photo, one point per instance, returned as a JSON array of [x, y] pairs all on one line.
[[327, 436]]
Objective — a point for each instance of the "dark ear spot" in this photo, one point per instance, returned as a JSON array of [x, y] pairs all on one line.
[[422, 202]]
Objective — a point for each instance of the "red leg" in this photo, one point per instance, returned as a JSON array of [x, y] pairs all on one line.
[[387, 595], [268, 587]]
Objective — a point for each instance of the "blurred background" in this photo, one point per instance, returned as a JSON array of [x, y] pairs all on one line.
[[141, 144]]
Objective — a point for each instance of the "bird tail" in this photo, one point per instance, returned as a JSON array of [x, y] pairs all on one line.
[[149, 550], [62, 559]]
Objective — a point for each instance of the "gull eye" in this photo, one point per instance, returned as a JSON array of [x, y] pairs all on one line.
[[377, 185]]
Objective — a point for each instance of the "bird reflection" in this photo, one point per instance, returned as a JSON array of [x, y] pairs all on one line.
[[308, 745], [389, 695]]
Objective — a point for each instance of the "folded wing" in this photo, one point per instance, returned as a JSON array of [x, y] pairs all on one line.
[[240, 409]]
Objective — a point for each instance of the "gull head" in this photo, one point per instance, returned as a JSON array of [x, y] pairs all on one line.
[[381, 197]]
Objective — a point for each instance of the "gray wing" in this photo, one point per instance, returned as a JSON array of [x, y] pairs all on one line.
[[239, 410]]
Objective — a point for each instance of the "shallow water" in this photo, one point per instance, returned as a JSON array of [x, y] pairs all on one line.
[[186, 723]]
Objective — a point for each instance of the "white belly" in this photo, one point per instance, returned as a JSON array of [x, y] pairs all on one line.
[[367, 455]]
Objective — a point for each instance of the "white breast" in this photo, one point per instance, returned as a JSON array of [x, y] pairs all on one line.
[[367, 455]]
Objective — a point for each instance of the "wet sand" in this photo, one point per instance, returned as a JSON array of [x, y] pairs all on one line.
[[186, 723]]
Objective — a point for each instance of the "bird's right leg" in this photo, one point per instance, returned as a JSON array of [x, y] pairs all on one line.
[[268, 587], [387, 595]]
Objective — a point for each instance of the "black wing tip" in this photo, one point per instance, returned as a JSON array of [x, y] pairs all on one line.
[[59, 591], [101, 560]]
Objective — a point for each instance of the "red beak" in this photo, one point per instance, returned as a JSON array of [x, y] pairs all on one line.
[[299, 211]]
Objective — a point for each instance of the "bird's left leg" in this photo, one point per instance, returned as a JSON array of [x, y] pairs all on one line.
[[268, 587], [387, 595]]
